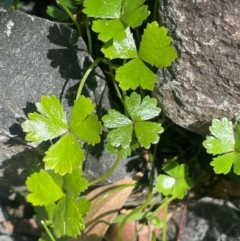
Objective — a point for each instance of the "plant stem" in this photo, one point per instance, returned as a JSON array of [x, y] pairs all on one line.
[[164, 235], [165, 204], [88, 36], [48, 231], [89, 70], [136, 210], [15, 4], [71, 16], [116, 86], [119, 158], [155, 10], [107, 193]]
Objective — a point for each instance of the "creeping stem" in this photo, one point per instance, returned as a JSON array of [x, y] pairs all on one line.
[[89, 70], [119, 158]]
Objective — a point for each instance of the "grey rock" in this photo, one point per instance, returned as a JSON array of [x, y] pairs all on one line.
[[204, 82], [208, 219], [39, 57]]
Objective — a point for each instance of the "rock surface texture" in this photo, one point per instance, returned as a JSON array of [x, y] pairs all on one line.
[[204, 83], [39, 57], [208, 219]]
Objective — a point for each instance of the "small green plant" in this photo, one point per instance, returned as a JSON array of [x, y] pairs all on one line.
[[225, 144], [56, 189]]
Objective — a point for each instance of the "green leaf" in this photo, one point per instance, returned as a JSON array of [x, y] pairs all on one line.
[[134, 74], [83, 123], [89, 129], [154, 46], [49, 124], [223, 163], [147, 133], [70, 4], [43, 189], [176, 183], [67, 219], [133, 12], [223, 142], [58, 179], [224, 137], [109, 29], [124, 49], [122, 136], [57, 13], [115, 119], [82, 108], [64, 155], [45, 213], [141, 110], [102, 8], [127, 151], [83, 206], [74, 183]]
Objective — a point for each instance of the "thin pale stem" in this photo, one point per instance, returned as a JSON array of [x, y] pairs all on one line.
[[71, 16], [115, 85], [89, 70], [48, 231], [88, 36], [106, 174], [136, 210]]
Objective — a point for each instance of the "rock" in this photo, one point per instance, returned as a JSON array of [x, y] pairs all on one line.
[[39, 57], [208, 219], [204, 82]]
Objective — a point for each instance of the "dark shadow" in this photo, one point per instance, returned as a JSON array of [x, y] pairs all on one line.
[[19, 163], [65, 56], [16, 129]]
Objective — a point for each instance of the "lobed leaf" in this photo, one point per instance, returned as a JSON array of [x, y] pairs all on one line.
[[147, 133], [124, 49], [64, 155], [49, 124], [134, 12], [141, 109], [45, 213], [115, 119], [125, 130], [223, 140], [154, 46], [121, 136], [83, 123], [176, 183], [83, 107], [223, 163], [102, 8], [43, 189], [127, 151], [109, 29], [74, 183], [134, 74], [67, 219], [57, 13], [57, 178], [83, 206]]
